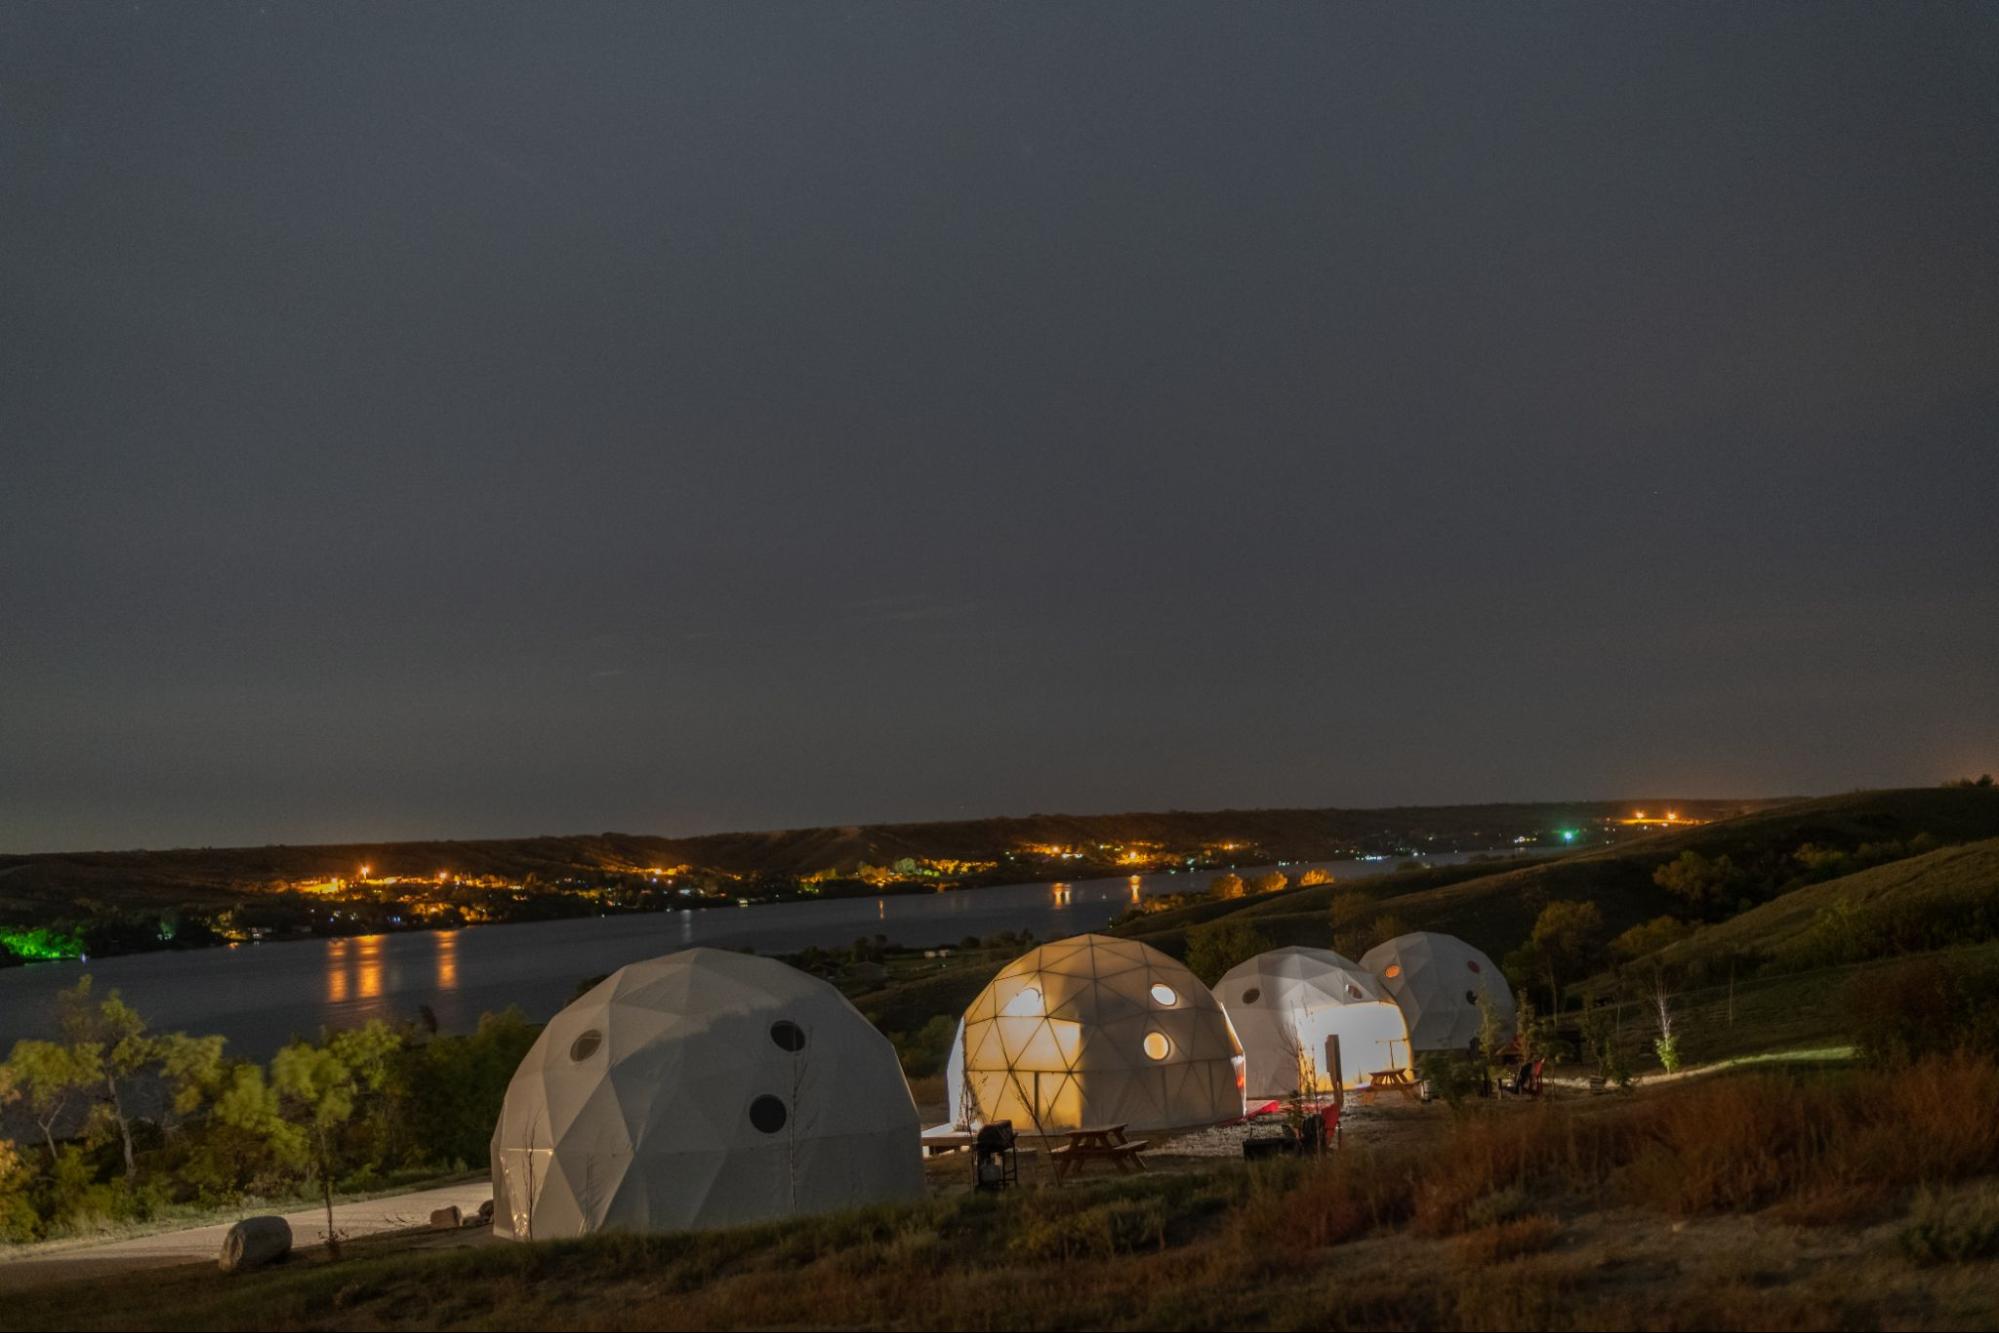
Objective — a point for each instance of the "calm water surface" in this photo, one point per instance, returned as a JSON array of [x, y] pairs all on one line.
[[259, 996]]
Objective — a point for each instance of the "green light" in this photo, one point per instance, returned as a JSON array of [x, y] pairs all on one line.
[[41, 945], [1568, 835]]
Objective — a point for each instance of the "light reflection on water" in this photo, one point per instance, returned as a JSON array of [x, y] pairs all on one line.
[[260, 996]]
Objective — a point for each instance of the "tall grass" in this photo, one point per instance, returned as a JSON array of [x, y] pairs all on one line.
[[1499, 1221]]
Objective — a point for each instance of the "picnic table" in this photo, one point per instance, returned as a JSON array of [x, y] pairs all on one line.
[[1102, 1143], [1392, 1080]]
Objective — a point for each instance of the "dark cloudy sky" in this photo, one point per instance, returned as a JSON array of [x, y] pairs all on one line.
[[483, 420]]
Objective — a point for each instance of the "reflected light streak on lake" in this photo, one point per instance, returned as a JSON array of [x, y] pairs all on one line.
[[261, 996]]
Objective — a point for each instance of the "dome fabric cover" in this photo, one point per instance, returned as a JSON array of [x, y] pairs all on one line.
[[702, 1089], [1437, 980], [1095, 1031], [1287, 1003]]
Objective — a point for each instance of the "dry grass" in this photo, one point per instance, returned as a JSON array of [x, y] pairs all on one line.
[[1677, 1208]]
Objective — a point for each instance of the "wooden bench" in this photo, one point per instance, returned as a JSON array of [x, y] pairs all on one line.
[[1105, 1143]]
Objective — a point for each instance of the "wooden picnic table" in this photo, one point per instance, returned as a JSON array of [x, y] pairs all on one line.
[[1101, 1143], [1392, 1080]]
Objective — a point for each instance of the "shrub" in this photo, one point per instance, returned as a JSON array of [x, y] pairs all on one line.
[[1214, 949], [1924, 1006], [1946, 1230], [924, 1051]]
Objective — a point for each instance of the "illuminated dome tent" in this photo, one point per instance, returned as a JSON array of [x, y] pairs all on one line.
[[1437, 979], [1287, 1005], [702, 1089], [1095, 1031]]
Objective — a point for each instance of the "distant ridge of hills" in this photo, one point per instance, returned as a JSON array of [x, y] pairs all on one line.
[[217, 875]]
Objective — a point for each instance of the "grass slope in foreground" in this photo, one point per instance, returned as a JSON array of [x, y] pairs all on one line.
[[1859, 1198]]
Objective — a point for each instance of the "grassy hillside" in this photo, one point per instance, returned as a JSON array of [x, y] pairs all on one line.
[[1495, 908], [1496, 911], [1850, 1200], [1870, 913]]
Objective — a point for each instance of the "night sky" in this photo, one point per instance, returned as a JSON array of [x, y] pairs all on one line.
[[485, 421]]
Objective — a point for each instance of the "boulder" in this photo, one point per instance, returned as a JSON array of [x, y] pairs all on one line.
[[253, 1242], [447, 1218]]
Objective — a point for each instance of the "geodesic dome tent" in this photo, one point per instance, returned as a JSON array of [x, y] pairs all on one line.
[[1095, 1031], [702, 1089], [1437, 979], [1287, 1005]]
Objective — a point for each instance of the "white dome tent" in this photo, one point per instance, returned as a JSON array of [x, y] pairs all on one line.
[[1437, 979], [1095, 1031], [702, 1089], [1286, 1006]]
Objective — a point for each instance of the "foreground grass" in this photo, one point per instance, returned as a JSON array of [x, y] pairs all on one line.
[[1843, 1199]]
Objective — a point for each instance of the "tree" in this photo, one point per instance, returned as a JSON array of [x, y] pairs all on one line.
[[48, 1077], [1566, 942], [1704, 883], [192, 1069], [1213, 949], [18, 1220], [115, 1032], [1651, 937], [1270, 881], [1316, 875], [1667, 1045], [319, 1088], [1226, 886]]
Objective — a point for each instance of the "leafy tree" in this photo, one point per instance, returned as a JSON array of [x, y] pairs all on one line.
[[1226, 886], [1213, 949], [1599, 1024], [1704, 883], [49, 1077], [1316, 875], [1270, 881], [113, 1031], [1566, 942], [319, 1089], [443, 1093], [18, 1220], [1650, 937]]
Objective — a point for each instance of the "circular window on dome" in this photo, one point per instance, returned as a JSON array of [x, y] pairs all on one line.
[[767, 1113], [1156, 1046], [1163, 994], [1471, 997], [788, 1035], [1252, 995], [586, 1045], [1472, 963], [1394, 971], [1356, 991]]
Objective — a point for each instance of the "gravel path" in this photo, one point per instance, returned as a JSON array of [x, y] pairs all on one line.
[[54, 1261]]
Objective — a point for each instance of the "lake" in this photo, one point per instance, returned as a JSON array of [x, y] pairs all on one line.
[[260, 996]]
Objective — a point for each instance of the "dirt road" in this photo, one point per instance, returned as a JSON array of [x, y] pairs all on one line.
[[55, 1261]]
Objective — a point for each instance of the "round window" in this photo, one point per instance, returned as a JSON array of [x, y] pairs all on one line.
[[767, 1113], [1472, 963], [1156, 1046], [1471, 997], [1394, 971], [1252, 995], [1355, 991], [1163, 994], [788, 1035], [586, 1045]]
